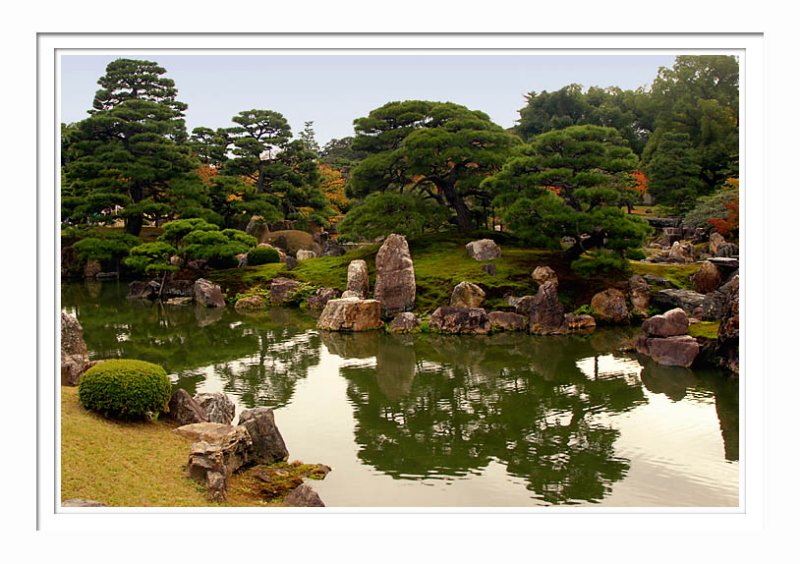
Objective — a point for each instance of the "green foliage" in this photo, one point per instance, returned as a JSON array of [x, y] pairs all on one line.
[[151, 258], [383, 213], [262, 255], [210, 146], [704, 329], [105, 245], [635, 254], [219, 248], [585, 309], [175, 231], [673, 174], [125, 389], [602, 262], [439, 150]]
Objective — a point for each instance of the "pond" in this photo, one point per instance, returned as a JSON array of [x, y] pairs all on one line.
[[507, 420]]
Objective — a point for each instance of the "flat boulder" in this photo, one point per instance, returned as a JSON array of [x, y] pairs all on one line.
[[217, 406], [318, 300], [350, 314], [358, 278], [251, 304], [670, 351], [687, 300], [507, 321], [395, 282], [212, 433], [467, 294], [208, 294], [74, 354], [670, 324], [303, 496], [282, 290], [268, 446], [609, 306], [483, 250], [184, 410], [460, 320], [404, 322], [206, 465]]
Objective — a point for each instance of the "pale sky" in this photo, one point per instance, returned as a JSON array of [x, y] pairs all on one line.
[[333, 90]]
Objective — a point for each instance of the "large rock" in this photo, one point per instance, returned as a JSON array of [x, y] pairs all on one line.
[[303, 496], [681, 252], [350, 314], [728, 334], [320, 298], [178, 289], [91, 269], [546, 311], [467, 294], [507, 321], [483, 250], [670, 351], [257, 227], [687, 300], [268, 445], [707, 279], [217, 406], [206, 465], [639, 292], [671, 324], [74, 354], [609, 306], [184, 410], [404, 322], [522, 305], [714, 241], [460, 320], [208, 294], [143, 290], [395, 283], [251, 304], [542, 274], [714, 302], [727, 250], [212, 433], [282, 290], [358, 278]]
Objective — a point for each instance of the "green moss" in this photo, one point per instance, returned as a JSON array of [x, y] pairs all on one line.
[[704, 329], [678, 274]]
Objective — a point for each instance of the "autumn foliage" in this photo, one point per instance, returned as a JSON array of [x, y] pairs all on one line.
[[333, 183], [639, 182], [729, 224]]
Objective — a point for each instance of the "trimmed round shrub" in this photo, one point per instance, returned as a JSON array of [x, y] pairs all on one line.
[[125, 389], [262, 255]]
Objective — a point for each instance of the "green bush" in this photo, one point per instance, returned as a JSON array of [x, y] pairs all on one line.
[[262, 255], [600, 263], [635, 254], [125, 389]]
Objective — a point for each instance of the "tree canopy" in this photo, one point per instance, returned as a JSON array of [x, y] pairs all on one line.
[[440, 150]]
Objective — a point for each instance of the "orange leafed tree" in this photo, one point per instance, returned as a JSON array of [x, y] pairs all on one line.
[[729, 225], [333, 187], [639, 182]]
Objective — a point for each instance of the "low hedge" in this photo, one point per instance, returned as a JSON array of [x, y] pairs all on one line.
[[262, 255], [125, 389]]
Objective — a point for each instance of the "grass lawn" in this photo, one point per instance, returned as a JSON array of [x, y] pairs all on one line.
[[134, 464]]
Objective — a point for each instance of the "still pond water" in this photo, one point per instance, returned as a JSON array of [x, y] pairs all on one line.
[[497, 421]]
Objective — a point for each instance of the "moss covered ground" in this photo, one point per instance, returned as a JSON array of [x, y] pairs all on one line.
[[678, 274]]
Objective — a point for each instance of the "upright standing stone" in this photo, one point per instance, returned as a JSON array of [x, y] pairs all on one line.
[[639, 291], [546, 311], [395, 284], [208, 294], [358, 278], [74, 354]]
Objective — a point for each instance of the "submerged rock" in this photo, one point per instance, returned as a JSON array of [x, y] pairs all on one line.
[[671, 351], [350, 314]]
